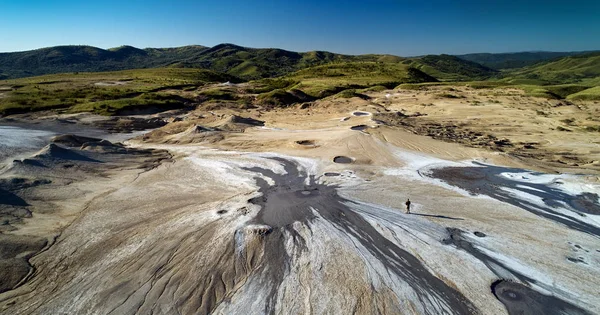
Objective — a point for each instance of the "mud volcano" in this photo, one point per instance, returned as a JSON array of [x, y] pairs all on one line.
[[479, 234], [359, 127], [340, 159], [295, 197]]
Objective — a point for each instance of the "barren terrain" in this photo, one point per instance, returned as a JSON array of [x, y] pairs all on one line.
[[301, 209]]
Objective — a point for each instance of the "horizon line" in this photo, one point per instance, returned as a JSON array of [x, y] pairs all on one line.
[[317, 50]]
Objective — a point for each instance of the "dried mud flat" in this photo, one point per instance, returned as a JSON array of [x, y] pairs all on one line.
[[218, 214]]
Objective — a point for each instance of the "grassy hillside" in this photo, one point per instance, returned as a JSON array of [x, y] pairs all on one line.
[[330, 79], [248, 63], [591, 94], [279, 77], [451, 68], [105, 93], [243, 62], [514, 60], [259, 63], [573, 69], [64, 59]]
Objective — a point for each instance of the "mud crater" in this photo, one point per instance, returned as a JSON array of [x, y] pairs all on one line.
[[340, 159]]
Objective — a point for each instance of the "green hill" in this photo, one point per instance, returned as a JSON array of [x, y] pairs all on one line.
[[106, 93], [514, 60], [584, 69], [243, 62], [257, 63], [249, 63], [331, 79], [451, 68], [63, 59]]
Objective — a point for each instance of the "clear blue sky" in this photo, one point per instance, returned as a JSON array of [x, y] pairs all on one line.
[[403, 28]]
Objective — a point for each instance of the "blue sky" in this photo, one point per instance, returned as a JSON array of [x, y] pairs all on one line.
[[403, 28]]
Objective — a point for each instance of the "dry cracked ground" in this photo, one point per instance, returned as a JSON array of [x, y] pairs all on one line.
[[303, 211]]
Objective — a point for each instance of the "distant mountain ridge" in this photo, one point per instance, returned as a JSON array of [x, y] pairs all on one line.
[[500, 61], [242, 62], [579, 68], [251, 63], [61, 59]]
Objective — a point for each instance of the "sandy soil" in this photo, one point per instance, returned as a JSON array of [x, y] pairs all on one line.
[[295, 211]]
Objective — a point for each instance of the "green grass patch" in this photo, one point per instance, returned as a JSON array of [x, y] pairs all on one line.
[[350, 93], [106, 93], [219, 94], [591, 94], [330, 79]]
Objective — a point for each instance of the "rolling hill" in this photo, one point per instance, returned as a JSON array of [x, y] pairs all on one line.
[[584, 69], [243, 62], [63, 59], [451, 68], [501, 61]]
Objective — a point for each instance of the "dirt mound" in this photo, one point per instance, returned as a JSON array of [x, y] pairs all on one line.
[[129, 124], [238, 123], [300, 96], [73, 140], [195, 129], [306, 143], [56, 152], [104, 146]]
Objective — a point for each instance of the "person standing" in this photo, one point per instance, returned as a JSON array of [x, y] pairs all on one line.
[[407, 203]]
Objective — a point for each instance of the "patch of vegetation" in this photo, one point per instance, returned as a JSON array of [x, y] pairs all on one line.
[[376, 88], [107, 93], [350, 93], [330, 79], [268, 85], [451, 68], [537, 91], [582, 68], [119, 106], [219, 94], [591, 94], [448, 95], [279, 97], [564, 90], [514, 60]]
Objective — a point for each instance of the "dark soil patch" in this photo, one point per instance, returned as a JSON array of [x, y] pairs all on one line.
[[521, 299], [342, 160], [306, 142], [359, 127]]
